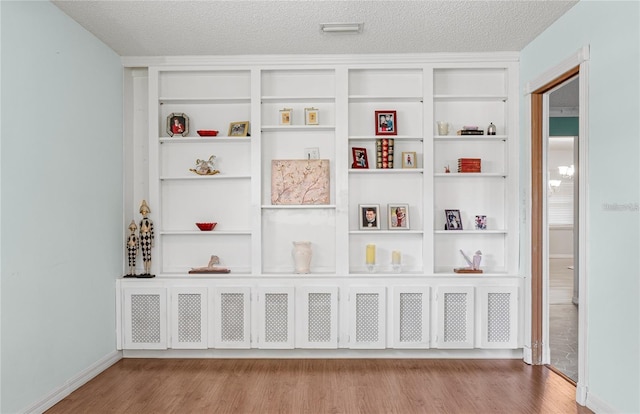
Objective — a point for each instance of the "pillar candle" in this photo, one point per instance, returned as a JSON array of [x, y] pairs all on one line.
[[395, 257], [371, 254]]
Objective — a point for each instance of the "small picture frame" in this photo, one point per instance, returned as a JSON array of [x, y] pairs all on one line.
[[386, 123], [177, 124], [409, 159], [369, 216], [481, 222], [311, 116], [312, 153], [398, 216], [285, 116], [453, 220], [360, 159], [239, 129]]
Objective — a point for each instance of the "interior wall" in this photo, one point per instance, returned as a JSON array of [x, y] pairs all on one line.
[[612, 31], [61, 193]]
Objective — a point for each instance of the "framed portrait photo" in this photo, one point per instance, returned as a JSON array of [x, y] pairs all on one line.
[[177, 124], [398, 215], [453, 220], [285, 116], [409, 160], [369, 216], [239, 129], [481, 222], [386, 123], [311, 116], [360, 159]]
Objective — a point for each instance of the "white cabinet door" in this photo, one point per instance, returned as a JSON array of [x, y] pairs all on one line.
[[231, 320], [189, 318], [499, 316], [276, 312], [411, 316], [367, 328], [455, 317], [145, 318], [317, 317]]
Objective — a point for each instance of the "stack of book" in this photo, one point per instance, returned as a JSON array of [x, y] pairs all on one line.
[[470, 130], [384, 153], [469, 165]]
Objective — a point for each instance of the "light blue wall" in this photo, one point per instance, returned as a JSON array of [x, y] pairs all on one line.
[[61, 194], [612, 30]]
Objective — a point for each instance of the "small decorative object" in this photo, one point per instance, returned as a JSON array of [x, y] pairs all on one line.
[[370, 257], [206, 226], [481, 222], [443, 127], [312, 153], [285, 116], [384, 153], [470, 130], [409, 160], [212, 267], [469, 165], [474, 265], [386, 123], [133, 245], [491, 129], [207, 132], [311, 116], [146, 239], [446, 169], [239, 129], [396, 261], [205, 167], [369, 216], [360, 159], [300, 182], [177, 124], [453, 220], [302, 256], [398, 216]]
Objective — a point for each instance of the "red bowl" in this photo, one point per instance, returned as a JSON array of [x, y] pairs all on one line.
[[207, 133], [206, 226]]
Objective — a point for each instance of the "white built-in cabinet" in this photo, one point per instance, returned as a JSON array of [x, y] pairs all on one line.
[[262, 303]]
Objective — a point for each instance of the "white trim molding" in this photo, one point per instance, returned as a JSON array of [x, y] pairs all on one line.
[[581, 56]]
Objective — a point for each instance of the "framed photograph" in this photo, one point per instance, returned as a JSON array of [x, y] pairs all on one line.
[[311, 116], [398, 215], [369, 216], [409, 160], [360, 159], [239, 129], [481, 222], [285, 116], [386, 123], [454, 222], [177, 124]]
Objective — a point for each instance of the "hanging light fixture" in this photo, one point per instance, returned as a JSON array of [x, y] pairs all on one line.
[[566, 171]]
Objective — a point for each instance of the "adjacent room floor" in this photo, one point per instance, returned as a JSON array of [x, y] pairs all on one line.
[[563, 318]]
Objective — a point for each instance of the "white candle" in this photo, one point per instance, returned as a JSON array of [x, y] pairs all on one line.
[[371, 254], [395, 257]]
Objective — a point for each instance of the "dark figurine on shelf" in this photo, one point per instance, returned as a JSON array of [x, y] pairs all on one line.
[[146, 237], [133, 245]]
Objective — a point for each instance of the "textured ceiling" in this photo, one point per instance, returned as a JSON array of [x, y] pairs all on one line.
[[174, 28]]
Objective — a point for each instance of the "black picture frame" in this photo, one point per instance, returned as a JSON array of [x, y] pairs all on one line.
[[453, 221]]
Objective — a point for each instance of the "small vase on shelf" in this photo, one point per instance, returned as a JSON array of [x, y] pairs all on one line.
[[302, 256]]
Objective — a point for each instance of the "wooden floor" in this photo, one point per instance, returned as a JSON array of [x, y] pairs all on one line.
[[323, 386]]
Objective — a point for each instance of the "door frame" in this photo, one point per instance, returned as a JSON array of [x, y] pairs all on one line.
[[536, 112]]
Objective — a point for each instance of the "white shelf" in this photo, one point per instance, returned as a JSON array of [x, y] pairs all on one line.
[[458, 138], [272, 128], [502, 98], [477, 232], [220, 176], [394, 232], [206, 140], [386, 170], [469, 175], [390, 99], [277, 99], [394, 137], [204, 233], [298, 206], [205, 100]]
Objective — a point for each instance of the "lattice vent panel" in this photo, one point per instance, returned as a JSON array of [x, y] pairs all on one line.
[[145, 319], [410, 317], [276, 317], [499, 318], [189, 317], [367, 317], [319, 317], [455, 317], [232, 317]]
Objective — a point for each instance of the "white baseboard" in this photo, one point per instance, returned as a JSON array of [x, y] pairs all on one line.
[[598, 406], [73, 383]]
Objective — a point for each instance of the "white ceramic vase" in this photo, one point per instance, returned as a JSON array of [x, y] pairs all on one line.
[[302, 256]]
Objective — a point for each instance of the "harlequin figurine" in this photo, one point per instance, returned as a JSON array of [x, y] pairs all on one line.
[[133, 245], [146, 237]]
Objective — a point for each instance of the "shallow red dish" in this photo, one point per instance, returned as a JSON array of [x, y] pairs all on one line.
[[206, 226], [207, 133]]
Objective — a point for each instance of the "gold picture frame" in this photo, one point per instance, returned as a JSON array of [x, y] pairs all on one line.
[[409, 159], [311, 116], [285, 116], [239, 129]]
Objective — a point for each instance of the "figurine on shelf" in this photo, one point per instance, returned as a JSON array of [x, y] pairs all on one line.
[[474, 266], [446, 169], [211, 267], [133, 245], [205, 167], [146, 237]]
